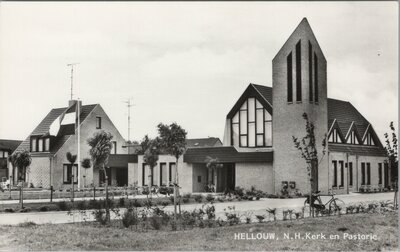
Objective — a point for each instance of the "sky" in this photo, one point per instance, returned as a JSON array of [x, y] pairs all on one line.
[[184, 62]]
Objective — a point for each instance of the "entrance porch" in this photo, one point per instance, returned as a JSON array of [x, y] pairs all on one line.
[[218, 179]]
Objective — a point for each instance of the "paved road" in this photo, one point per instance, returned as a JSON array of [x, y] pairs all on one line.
[[256, 207]]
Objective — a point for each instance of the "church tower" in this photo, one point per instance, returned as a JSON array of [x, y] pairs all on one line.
[[299, 86]]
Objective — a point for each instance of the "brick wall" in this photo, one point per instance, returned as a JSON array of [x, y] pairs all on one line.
[[287, 118], [88, 128], [255, 174], [356, 160]]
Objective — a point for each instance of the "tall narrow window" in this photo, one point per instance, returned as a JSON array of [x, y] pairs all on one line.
[[380, 173], [33, 144], [47, 144], [98, 122], [289, 78], [172, 172], [334, 163], [316, 77], [362, 173], [341, 173], [310, 76], [163, 174], [298, 71], [40, 145], [368, 173], [252, 125], [350, 173], [114, 147]]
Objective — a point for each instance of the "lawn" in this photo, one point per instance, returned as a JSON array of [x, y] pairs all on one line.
[[95, 237]]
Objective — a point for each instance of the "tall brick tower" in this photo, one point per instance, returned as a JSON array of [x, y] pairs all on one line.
[[299, 85]]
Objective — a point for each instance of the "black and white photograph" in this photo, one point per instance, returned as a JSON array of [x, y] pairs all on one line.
[[199, 125]]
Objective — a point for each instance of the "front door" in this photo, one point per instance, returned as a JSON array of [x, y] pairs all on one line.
[[122, 176]]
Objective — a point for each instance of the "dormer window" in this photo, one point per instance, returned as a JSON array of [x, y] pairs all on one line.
[[251, 126], [369, 140], [33, 144], [39, 144], [47, 144], [334, 137], [353, 138]]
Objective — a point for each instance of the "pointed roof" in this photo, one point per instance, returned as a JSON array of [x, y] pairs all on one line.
[[303, 25], [262, 93], [44, 126]]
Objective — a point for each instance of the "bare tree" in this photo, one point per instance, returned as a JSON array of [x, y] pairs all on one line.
[[308, 149]]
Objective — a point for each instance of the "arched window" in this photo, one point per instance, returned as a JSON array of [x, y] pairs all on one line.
[[251, 126]]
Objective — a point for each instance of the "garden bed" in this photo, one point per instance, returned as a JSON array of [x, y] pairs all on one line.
[[92, 236]]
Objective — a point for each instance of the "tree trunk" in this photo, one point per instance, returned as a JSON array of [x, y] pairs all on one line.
[[106, 203], [215, 179]]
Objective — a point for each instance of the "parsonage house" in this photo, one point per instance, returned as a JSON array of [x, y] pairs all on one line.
[[7, 147], [257, 148]]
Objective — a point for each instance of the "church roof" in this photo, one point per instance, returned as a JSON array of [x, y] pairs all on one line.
[[343, 112]]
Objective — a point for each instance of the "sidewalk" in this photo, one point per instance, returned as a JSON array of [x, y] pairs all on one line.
[[256, 207]]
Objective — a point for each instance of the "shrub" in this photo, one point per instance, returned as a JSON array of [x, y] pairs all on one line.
[[64, 206], [238, 191], [260, 218], [24, 210], [164, 203], [187, 196], [100, 216], [210, 211], [136, 203], [9, 210], [27, 224], [94, 204], [210, 198], [44, 209], [81, 205], [171, 198], [130, 217], [198, 198], [185, 200], [121, 202], [156, 222], [220, 199]]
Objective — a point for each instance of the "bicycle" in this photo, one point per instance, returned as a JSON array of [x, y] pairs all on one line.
[[333, 205]]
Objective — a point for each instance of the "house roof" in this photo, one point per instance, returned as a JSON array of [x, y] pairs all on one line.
[[362, 150], [44, 126], [9, 145], [203, 142], [226, 154]]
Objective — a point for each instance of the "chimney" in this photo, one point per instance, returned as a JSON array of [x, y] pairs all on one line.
[[72, 102]]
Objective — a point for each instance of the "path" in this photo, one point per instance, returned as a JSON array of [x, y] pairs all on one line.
[[257, 207]]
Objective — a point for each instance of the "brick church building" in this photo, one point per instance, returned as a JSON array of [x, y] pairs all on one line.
[[258, 148]]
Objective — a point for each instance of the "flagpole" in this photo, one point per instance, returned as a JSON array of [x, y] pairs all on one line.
[[79, 144]]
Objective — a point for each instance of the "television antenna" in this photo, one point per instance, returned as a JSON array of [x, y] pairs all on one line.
[[129, 105], [72, 75]]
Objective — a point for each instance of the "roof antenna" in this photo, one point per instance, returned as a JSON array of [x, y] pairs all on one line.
[[129, 105], [72, 75]]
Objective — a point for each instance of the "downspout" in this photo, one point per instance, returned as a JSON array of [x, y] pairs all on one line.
[[357, 172], [347, 166]]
